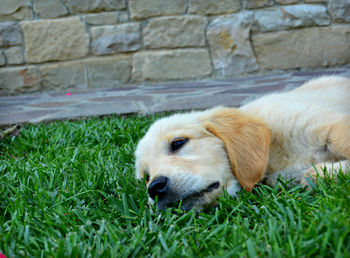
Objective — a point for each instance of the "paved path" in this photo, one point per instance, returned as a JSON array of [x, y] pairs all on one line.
[[147, 98]]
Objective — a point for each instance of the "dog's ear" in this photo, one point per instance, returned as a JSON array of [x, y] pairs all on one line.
[[246, 141]]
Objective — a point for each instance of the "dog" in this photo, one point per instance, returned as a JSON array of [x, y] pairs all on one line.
[[191, 157]]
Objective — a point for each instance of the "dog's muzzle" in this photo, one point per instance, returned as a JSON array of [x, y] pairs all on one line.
[[160, 189]]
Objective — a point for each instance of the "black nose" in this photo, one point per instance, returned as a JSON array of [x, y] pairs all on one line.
[[158, 187]]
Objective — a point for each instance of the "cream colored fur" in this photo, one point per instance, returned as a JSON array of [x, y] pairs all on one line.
[[279, 134]]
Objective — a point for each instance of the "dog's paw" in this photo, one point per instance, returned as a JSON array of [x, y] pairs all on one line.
[[311, 175], [320, 170]]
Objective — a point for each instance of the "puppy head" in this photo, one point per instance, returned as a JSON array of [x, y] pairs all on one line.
[[191, 157]]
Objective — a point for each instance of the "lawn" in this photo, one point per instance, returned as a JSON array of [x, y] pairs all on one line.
[[67, 189]]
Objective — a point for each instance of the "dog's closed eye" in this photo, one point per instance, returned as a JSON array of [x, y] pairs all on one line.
[[177, 144]]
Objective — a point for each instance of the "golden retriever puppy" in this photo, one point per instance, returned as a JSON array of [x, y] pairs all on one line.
[[191, 157]]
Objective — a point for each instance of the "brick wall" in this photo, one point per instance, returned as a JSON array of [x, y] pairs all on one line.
[[80, 44]]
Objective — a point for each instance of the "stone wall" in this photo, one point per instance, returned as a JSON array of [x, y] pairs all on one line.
[[79, 44]]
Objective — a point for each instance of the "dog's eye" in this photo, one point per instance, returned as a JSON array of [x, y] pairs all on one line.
[[176, 144]]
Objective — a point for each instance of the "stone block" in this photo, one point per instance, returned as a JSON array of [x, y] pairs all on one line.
[[10, 34], [253, 4], [315, 1], [85, 6], [14, 56], [110, 18], [51, 40], [287, 1], [2, 59], [17, 80], [113, 39], [49, 9], [214, 7], [175, 31], [15, 10], [64, 76], [141, 9], [339, 10], [310, 47], [171, 64], [293, 16], [231, 51], [108, 72], [123, 17]]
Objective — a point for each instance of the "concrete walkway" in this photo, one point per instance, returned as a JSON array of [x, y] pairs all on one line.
[[149, 98]]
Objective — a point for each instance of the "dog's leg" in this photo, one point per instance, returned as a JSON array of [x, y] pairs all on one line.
[[332, 169], [339, 138], [293, 175], [338, 144]]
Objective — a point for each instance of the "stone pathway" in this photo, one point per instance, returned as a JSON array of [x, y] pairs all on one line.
[[149, 98]]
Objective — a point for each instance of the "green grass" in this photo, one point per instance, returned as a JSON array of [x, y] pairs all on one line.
[[67, 190]]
